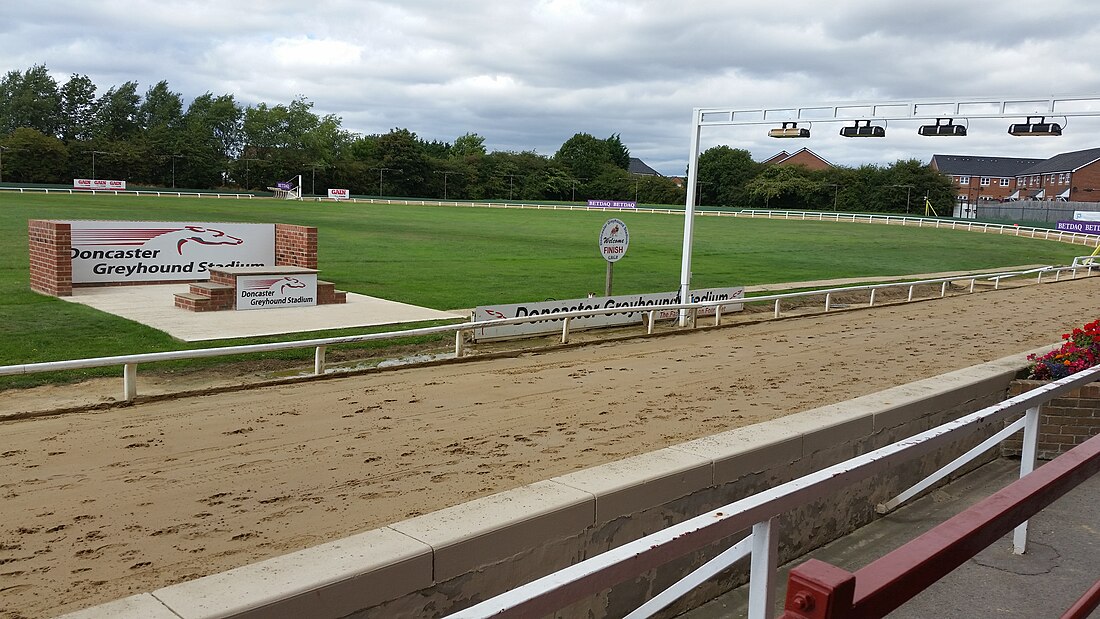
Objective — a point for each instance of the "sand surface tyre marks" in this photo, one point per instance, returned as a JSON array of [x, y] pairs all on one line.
[[104, 504]]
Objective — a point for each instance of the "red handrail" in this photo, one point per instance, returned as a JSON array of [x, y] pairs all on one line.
[[817, 590], [1083, 607]]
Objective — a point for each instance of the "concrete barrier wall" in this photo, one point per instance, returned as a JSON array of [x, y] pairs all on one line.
[[447, 560]]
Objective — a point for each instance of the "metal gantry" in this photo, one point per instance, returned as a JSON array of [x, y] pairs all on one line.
[[1063, 106]]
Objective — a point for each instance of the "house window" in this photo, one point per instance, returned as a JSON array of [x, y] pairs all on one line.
[[985, 181], [964, 180]]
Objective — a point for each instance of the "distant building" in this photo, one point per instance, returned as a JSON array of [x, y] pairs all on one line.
[[1073, 176], [803, 157], [639, 167]]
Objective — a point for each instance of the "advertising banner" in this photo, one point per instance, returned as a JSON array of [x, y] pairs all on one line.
[[268, 291], [552, 325], [137, 251], [613, 203], [99, 183], [1084, 227], [1086, 215], [339, 194]]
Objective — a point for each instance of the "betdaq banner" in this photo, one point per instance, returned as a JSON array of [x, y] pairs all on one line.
[[552, 324], [613, 203], [1083, 227], [143, 251], [98, 183]]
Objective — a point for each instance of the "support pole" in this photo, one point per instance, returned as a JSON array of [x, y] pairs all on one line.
[[129, 382], [689, 213]]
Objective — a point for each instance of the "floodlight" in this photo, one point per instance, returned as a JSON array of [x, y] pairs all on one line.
[[789, 130], [863, 129], [943, 127], [1035, 128]]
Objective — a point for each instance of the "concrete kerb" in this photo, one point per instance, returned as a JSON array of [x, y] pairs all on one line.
[[443, 561]]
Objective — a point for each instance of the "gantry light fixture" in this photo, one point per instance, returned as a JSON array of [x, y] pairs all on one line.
[[789, 130], [943, 127], [1031, 127], [863, 129]]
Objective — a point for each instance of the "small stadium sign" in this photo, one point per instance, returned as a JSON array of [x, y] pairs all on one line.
[[269, 291], [614, 239]]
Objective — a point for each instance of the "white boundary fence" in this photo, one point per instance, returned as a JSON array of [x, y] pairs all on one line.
[[461, 330], [760, 511], [1047, 234]]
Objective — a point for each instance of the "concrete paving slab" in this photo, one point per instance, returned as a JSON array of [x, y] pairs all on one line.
[[154, 306]]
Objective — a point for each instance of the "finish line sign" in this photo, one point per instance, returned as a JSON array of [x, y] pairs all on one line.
[[552, 324]]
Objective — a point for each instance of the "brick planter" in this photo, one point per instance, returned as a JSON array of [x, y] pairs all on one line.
[[1064, 422]]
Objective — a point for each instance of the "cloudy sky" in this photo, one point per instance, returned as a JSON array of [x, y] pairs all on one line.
[[528, 74]]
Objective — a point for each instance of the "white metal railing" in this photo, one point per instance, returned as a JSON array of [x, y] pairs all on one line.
[[1047, 234], [460, 330], [761, 511], [128, 192]]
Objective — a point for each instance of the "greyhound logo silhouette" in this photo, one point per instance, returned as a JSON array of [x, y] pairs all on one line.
[[155, 238]]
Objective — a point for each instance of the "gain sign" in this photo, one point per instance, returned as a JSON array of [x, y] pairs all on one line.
[[614, 239]]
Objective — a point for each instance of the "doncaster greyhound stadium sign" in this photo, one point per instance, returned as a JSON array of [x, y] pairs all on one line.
[[148, 251], [552, 324]]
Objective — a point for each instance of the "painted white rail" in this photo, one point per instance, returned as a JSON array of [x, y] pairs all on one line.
[[760, 511], [130, 192], [129, 363]]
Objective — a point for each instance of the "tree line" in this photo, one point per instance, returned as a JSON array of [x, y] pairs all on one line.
[[54, 132]]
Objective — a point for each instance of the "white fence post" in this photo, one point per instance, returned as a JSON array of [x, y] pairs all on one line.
[[872, 303], [777, 308], [565, 330], [319, 360], [129, 382], [765, 546], [910, 294], [828, 299], [652, 319], [460, 342], [1027, 465]]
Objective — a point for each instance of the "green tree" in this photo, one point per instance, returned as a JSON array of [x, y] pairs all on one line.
[[724, 175], [30, 99], [584, 156], [783, 187], [31, 156], [403, 153], [618, 152], [468, 145], [78, 107], [116, 114]]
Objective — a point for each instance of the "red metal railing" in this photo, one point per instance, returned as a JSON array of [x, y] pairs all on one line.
[[818, 590]]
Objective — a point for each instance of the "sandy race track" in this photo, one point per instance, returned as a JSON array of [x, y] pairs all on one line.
[[103, 504]]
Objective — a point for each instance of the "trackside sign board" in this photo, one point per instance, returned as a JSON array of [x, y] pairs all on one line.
[[137, 251], [552, 324], [269, 291]]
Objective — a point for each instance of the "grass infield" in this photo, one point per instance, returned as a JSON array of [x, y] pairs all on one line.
[[453, 257]]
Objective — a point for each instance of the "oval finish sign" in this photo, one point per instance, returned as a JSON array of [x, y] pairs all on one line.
[[614, 239]]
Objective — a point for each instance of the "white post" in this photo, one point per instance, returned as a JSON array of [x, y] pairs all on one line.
[[652, 319], [873, 297], [943, 290], [717, 315], [910, 294], [319, 360], [765, 545], [129, 382], [777, 308], [565, 330], [689, 213], [1027, 465], [828, 298], [460, 342], [972, 282]]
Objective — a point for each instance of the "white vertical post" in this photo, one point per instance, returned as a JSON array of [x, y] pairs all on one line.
[[717, 315], [460, 343], [1027, 465], [972, 282], [910, 294], [129, 382], [652, 319], [872, 304], [765, 545], [319, 360], [943, 290], [828, 299], [689, 212], [565, 330], [777, 308]]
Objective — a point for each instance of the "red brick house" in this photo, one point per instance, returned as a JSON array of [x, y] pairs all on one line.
[[1073, 176], [803, 157], [978, 177]]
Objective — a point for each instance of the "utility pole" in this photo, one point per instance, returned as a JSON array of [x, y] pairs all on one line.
[[908, 188], [313, 181], [380, 171], [575, 181], [98, 152], [247, 184], [445, 174], [173, 158], [510, 179], [836, 192]]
